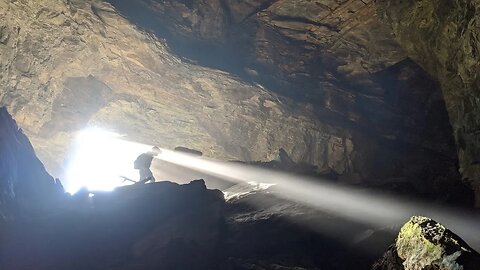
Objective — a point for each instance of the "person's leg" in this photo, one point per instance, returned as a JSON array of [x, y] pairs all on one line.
[[150, 176], [146, 176], [142, 175]]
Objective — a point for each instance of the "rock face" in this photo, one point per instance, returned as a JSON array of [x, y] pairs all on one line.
[[25, 186], [443, 37], [135, 227], [425, 244], [362, 111], [337, 57], [326, 53], [69, 64], [297, 42]]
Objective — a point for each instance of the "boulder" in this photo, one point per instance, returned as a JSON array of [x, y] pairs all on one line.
[[425, 244]]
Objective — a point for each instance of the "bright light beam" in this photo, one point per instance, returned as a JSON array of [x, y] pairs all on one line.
[[99, 159], [358, 205]]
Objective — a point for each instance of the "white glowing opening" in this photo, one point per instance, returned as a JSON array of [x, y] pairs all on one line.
[[99, 159]]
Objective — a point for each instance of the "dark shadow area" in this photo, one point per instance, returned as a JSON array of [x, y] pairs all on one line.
[[218, 55]]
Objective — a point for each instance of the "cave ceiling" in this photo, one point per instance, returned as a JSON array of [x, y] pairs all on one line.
[[328, 81]]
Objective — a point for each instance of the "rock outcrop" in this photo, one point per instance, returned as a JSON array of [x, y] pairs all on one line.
[[161, 225], [425, 244], [25, 186], [444, 38]]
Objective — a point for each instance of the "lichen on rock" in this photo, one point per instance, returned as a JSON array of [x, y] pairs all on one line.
[[415, 248], [425, 244]]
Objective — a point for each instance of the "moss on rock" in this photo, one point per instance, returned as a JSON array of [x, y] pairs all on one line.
[[425, 244]]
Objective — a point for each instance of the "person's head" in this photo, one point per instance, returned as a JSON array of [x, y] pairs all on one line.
[[156, 151]]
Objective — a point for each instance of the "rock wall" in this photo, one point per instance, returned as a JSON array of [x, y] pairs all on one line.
[[284, 42], [25, 186], [337, 57], [69, 64], [444, 38], [350, 102]]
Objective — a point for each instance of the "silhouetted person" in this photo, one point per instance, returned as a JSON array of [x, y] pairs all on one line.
[[142, 164]]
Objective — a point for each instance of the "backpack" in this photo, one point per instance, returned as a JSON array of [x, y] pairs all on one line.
[[143, 161], [138, 162]]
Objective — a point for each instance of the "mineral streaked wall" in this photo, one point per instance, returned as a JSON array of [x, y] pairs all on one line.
[[444, 37], [67, 64]]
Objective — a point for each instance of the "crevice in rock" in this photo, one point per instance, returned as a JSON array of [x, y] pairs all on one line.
[[261, 8], [285, 18]]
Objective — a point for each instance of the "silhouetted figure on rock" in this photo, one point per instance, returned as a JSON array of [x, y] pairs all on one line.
[[142, 164]]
